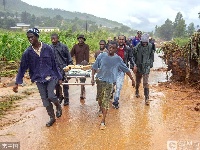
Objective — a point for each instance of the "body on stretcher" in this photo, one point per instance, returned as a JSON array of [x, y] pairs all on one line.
[[77, 72]]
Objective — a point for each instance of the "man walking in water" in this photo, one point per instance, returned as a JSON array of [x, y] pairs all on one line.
[[144, 58], [125, 53], [107, 66]]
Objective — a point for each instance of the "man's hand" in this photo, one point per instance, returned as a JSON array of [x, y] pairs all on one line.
[[133, 83], [15, 88], [60, 82], [134, 69], [68, 78], [92, 81]]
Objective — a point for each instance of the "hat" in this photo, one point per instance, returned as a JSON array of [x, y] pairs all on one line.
[[145, 37], [139, 32], [81, 36], [35, 31]]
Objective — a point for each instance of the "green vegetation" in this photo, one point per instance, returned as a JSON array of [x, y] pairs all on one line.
[[8, 68], [7, 102], [176, 29], [13, 44], [183, 59], [181, 41], [10, 101]]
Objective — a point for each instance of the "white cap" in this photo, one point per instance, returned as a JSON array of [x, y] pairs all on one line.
[[145, 37]]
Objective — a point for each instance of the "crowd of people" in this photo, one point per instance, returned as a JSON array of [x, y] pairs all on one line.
[[114, 59]]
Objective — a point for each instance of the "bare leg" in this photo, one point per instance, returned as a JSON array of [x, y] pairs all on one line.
[[102, 125], [100, 107], [100, 114], [104, 115]]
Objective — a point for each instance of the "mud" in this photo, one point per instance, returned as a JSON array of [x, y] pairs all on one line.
[[170, 117]]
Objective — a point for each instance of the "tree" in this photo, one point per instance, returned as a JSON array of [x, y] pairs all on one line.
[[4, 4], [156, 31], [191, 29], [93, 28], [6, 23], [32, 20], [124, 28], [16, 14], [165, 31], [179, 16], [25, 17], [179, 26]]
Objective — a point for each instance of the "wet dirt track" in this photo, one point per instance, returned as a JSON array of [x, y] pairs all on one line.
[[133, 126]]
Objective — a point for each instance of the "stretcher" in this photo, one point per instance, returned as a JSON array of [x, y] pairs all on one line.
[[77, 72]]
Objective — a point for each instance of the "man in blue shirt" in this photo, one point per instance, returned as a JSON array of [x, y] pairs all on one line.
[[137, 39], [107, 66], [39, 59], [125, 53]]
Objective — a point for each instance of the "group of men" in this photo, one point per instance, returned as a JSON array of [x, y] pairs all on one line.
[[112, 65], [46, 63]]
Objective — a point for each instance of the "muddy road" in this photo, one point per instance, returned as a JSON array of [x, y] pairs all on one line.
[[170, 121]]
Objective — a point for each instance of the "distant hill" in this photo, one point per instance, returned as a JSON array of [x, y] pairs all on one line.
[[18, 6]]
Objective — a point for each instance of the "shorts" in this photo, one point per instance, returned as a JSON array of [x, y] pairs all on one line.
[[103, 93]]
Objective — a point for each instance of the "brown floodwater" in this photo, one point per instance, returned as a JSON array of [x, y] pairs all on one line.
[[165, 124]]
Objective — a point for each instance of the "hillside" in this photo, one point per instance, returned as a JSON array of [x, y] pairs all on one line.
[[19, 6]]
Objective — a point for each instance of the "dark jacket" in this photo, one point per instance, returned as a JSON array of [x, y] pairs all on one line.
[[81, 52], [144, 57], [128, 56], [153, 45], [62, 55], [39, 66]]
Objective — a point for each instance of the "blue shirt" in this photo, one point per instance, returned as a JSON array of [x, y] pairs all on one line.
[[108, 67], [135, 41], [39, 67]]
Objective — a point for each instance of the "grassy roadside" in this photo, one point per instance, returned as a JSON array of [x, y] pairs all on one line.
[[7, 102]]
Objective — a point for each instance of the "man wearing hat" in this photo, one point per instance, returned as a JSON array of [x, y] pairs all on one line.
[[144, 58], [81, 53], [39, 59]]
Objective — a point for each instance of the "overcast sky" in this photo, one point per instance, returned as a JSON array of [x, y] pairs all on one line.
[[136, 14]]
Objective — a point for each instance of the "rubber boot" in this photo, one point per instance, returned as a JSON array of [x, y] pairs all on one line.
[[66, 101], [51, 114], [58, 109], [146, 94], [60, 99], [137, 91], [82, 96], [66, 94], [59, 93]]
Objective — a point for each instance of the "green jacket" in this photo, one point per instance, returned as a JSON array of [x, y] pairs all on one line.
[[144, 57]]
